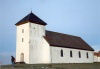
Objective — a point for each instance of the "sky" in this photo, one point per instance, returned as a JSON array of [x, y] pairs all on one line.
[[75, 17]]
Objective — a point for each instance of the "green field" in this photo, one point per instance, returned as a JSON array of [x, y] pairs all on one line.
[[53, 66]]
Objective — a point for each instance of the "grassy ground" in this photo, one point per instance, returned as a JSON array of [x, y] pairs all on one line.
[[53, 66]]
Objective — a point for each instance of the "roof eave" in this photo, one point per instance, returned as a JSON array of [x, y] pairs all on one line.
[[20, 23], [70, 47]]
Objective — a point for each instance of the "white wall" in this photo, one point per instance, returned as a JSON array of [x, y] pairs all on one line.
[[96, 59], [99, 59], [35, 48], [22, 47], [39, 48], [56, 58]]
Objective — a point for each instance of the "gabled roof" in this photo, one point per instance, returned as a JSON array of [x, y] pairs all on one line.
[[67, 41], [31, 18]]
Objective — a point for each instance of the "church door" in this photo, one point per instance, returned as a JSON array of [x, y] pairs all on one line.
[[22, 57]]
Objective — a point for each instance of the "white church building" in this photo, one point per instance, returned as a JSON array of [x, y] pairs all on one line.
[[97, 56], [36, 45]]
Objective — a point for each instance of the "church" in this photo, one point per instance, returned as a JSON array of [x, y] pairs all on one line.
[[36, 45]]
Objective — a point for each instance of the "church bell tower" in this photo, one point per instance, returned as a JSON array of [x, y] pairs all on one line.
[[30, 33]]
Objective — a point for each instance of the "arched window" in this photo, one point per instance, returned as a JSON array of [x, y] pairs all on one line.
[[61, 52], [71, 54], [22, 57], [22, 39], [87, 55], [79, 54]]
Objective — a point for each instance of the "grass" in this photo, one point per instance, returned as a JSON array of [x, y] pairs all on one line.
[[54, 66]]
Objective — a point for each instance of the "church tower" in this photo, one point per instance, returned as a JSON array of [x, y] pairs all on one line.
[[31, 46]]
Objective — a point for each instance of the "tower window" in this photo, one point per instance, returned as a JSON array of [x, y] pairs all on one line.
[[71, 54], [61, 52], [87, 55], [79, 54], [22, 30], [22, 39]]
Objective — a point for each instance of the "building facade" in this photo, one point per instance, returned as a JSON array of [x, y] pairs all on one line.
[[70, 55], [97, 56], [36, 45]]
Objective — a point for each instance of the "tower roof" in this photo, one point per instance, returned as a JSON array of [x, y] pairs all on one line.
[[31, 18]]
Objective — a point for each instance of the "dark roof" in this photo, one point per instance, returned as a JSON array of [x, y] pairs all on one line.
[[31, 18], [66, 41], [97, 54]]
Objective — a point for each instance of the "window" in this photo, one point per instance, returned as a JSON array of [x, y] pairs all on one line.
[[61, 52], [22, 40], [87, 55], [22, 30], [79, 54], [71, 54]]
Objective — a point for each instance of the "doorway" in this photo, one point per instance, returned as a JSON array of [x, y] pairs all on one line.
[[22, 57]]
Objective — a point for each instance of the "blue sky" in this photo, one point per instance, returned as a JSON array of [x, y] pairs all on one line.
[[75, 17]]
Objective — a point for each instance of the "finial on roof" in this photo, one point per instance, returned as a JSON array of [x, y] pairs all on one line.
[[31, 11]]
